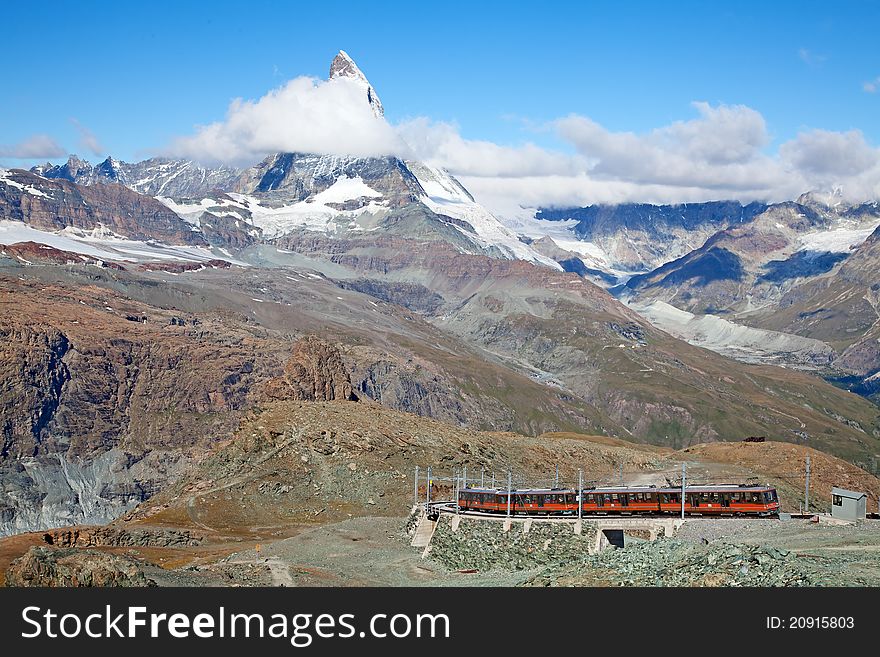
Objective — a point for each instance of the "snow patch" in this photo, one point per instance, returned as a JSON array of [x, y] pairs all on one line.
[[30, 189], [446, 196], [104, 244], [346, 189], [744, 343], [839, 240]]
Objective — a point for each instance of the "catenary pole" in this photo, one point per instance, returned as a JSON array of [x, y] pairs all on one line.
[[807, 489], [580, 493], [683, 487], [428, 489], [416, 487]]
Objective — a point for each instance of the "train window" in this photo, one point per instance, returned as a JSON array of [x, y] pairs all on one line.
[[613, 497], [837, 500]]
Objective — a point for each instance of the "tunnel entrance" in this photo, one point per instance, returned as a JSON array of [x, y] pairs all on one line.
[[614, 537]]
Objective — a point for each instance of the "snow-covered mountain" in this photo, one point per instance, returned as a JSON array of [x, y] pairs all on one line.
[[332, 194], [343, 66], [153, 177]]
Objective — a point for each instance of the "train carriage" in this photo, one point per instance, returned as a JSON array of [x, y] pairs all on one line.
[[713, 500]]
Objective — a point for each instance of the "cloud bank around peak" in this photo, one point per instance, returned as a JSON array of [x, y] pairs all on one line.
[[722, 152], [304, 115]]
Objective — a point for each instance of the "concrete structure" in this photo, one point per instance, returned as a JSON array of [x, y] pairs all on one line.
[[598, 533], [848, 504]]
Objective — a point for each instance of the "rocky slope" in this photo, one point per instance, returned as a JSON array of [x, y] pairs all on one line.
[[288, 192], [753, 265], [727, 294], [640, 237], [841, 311], [47, 567], [568, 333], [56, 205], [307, 470]]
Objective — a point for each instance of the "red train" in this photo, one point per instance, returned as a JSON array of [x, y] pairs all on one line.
[[717, 500]]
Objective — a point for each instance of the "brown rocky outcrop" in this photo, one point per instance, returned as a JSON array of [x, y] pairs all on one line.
[[34, 253], [177, 267], [89, 537], [58, 204], [315, 372], [53, 567]]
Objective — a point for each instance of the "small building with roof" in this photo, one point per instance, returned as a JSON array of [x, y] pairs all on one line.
[[848, 504]]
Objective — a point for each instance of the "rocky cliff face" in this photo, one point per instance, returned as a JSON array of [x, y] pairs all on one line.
[[343, 66], [314, 372], [101, 407], [297, 176], [50, 567], [53, 205], [639, 237]]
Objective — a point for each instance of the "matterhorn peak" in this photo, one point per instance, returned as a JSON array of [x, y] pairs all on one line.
[[343, 66]]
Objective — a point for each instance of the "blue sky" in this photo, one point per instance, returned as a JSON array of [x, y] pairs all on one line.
[[137, 75]]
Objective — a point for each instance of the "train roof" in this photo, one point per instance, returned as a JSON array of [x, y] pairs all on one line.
[[698, 488]]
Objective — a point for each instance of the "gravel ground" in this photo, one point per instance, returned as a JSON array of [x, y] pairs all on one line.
[[704, 552], [364, 552], [737, 552]]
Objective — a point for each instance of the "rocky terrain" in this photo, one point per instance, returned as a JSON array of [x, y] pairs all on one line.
[[152, 177], [42, 566], [752, 265], [642, 237], [317, 493], [56, 205], [115, 387]]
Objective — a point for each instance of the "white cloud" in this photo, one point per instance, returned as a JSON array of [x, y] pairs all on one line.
[[720, 148], [830, 155], [871, 86], [34, 147], [441, 143], [720, 153], [304, 115], [87, 139], [809, 57]]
